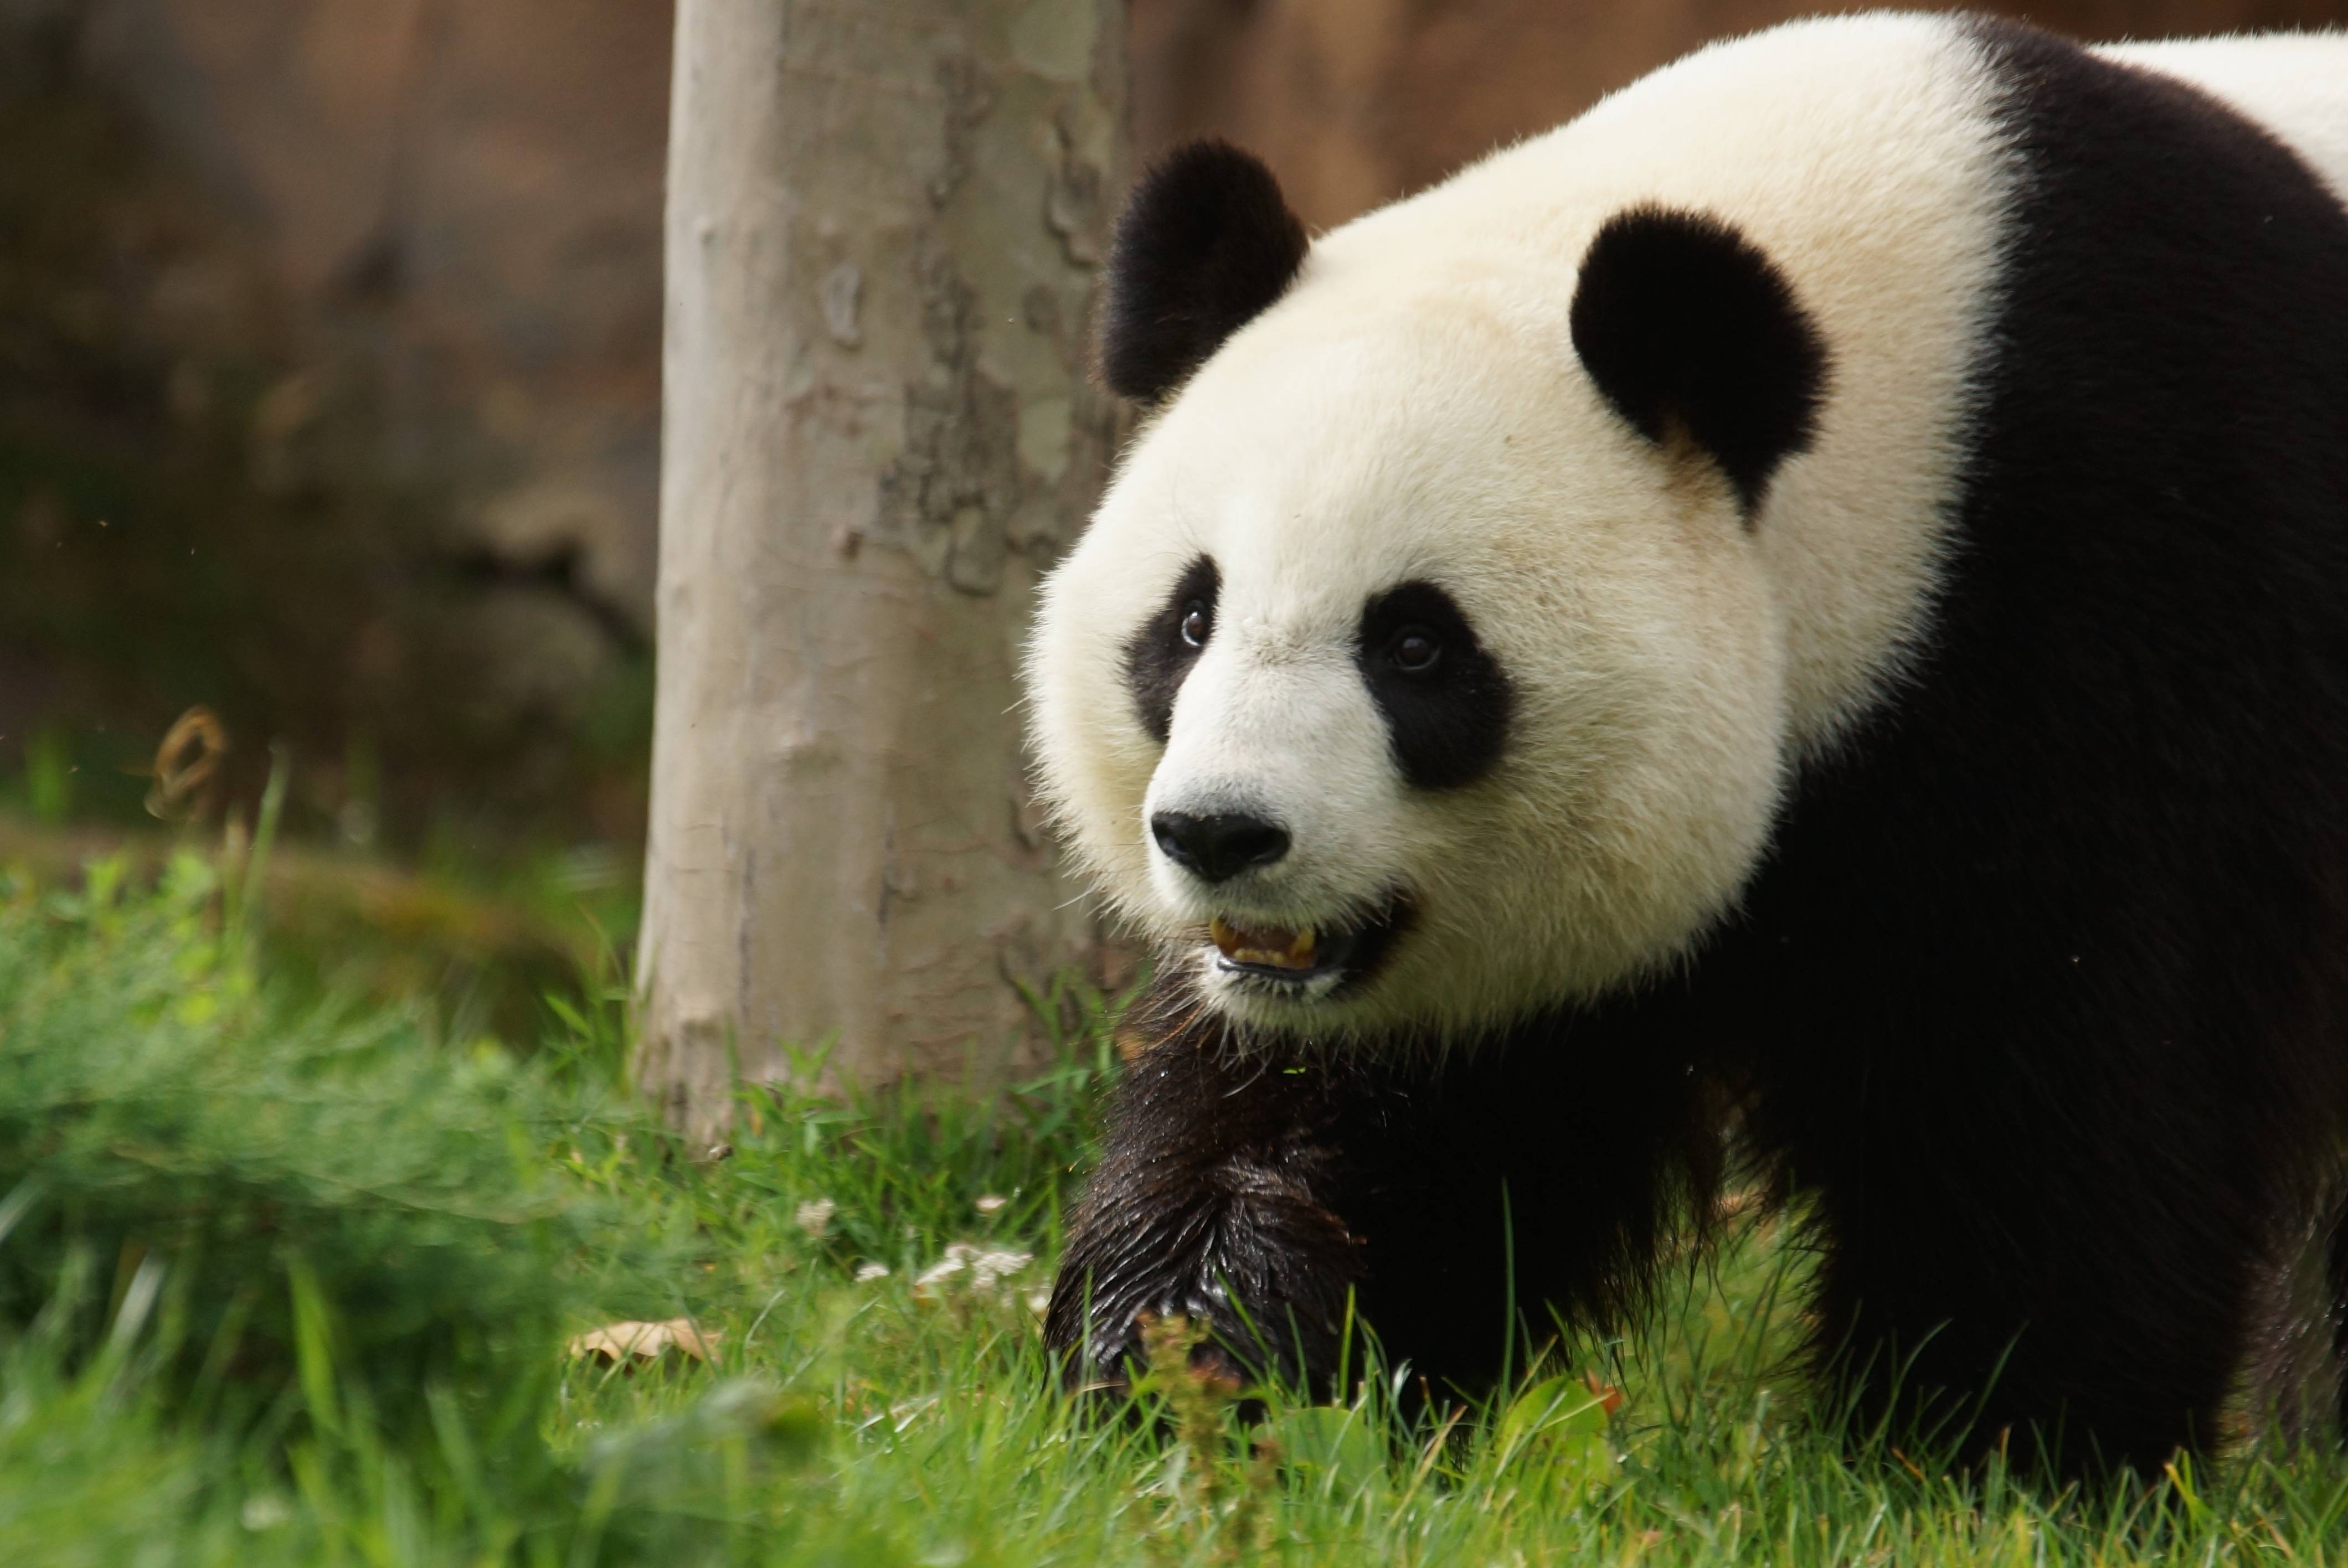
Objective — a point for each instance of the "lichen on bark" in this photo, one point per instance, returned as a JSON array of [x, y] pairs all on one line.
[[947, 495]]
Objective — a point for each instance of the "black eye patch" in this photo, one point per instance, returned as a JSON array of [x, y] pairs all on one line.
[[1159, 656], [1446, 700]]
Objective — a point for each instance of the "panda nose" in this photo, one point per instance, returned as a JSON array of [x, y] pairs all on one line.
[[1218, 847]]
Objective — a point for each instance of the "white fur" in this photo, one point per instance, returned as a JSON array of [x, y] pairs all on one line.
[[1413, 408]]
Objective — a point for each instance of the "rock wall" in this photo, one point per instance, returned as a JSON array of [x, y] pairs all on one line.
[[331, 397], [466, 193]]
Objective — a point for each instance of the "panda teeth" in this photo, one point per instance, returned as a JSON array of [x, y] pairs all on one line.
[[1271, 947]]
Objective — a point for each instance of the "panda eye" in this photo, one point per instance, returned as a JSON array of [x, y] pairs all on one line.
[[1196, 623], [1415, 650]]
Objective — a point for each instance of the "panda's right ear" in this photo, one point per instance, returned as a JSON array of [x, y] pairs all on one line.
[[1205, 243]]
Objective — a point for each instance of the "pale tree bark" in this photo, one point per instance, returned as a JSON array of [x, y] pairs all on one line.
[[882, 223]]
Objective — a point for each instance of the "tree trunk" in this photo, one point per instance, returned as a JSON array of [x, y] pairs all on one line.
[[882, 224]]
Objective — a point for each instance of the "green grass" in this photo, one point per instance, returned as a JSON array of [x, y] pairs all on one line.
[[290, 1281]]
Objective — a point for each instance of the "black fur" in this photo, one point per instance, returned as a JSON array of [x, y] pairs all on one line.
[[1449, 722], [2052, 959], [2335, 1284], [1281, 1182], [1690, 331], [2040, 996], [1157, 657], [1204, 244]]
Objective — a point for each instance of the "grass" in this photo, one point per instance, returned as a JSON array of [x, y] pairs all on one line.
[[285, 1280]]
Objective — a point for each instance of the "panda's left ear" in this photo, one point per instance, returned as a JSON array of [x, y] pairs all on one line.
[[1689, 330]]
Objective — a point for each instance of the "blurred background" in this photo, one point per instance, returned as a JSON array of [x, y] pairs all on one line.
[[330, 400]]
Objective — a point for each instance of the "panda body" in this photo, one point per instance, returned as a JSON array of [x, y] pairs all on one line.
[[1808, 597]]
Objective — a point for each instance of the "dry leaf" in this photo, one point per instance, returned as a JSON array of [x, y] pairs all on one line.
[[629, 1343]]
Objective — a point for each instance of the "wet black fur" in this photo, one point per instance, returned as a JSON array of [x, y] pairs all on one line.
[[1449, 722], [1283, 1181], [1204, 244], [1690, 331], [2040, 995]]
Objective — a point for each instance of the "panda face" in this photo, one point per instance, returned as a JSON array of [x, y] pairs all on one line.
[[1226, 827], [1654, 429], [1374, 723]]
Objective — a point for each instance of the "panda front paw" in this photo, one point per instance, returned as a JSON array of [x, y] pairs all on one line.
[[1109, 1347], [1218, 1204], [1153, 1349], [1114, 1319]]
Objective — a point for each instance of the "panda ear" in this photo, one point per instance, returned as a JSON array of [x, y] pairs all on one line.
[[1690, 331], [1205, 243]]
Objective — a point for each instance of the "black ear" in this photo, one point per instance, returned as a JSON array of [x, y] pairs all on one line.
[[1204, 244], [1687, 327]]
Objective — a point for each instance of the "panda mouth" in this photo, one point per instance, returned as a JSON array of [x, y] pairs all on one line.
[[1307, 959]]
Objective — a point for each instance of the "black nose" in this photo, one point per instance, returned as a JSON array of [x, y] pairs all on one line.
[[1217, 848]]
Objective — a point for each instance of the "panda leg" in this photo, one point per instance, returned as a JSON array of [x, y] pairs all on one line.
[[2075, 1312], [1549, 1173], [1286, 1204], [1220, 1198], [1277, 1201]]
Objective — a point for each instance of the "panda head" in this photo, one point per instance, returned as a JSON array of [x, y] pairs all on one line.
[[1417, 671]]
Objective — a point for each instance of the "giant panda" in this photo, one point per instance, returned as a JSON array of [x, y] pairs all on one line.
[[1799, 618]]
